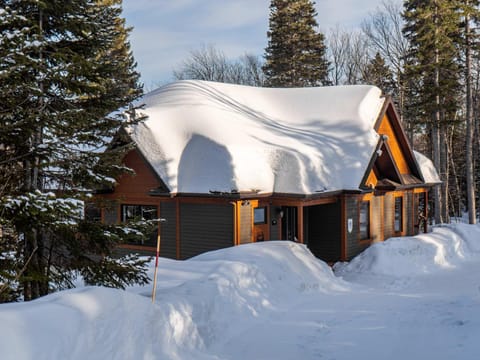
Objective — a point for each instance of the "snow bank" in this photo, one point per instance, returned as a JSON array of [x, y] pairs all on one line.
[[399, 257], [94, 323], [225, 290], [199, 302], [270, 300], [204, 136]]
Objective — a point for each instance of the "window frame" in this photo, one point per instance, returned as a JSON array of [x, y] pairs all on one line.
[[367, 234], [151, 240], [123, 218], [264, 213], [401, 216]]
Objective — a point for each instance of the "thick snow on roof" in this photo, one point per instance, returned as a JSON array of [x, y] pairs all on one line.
[[205, 136], [430, 174]]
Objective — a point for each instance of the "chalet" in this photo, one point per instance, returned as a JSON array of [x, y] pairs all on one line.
[[226, 165]]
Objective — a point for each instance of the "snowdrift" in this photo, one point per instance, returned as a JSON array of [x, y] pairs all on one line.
[[269, 300], [444, 247], [199, 302]]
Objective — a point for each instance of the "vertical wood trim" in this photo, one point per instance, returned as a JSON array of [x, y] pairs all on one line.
[[177, 211], [343, 232], [413, 214], [236, 222], [280, 229], [300, 224], [267, 228], [425, 223], [119, 213], [159, 216], [252, 222], [382, 218], [254, 204]]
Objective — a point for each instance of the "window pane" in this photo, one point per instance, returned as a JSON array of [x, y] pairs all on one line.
[[364, 220], [141, 212], [92, 213], [398, 214], [259, 215], [138, 212]]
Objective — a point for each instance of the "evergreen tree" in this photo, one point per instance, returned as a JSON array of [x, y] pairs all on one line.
[[432, 28], [470, 13], [66, 67], [296, 53], [378, 73]]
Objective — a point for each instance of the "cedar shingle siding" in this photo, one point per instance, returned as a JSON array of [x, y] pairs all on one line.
[[245, 235], [389, 216]]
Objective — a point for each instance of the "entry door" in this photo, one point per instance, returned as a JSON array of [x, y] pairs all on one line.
[[289, 223]]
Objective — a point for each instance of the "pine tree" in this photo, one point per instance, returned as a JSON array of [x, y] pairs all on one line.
[[378, 73], [469, 12], [296, 53], [66, 68], [432, 28]]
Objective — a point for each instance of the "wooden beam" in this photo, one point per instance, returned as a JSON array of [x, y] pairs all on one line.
[[300, 224]]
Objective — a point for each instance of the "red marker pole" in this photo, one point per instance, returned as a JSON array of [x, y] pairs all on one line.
[[156, 261], [156, 268]]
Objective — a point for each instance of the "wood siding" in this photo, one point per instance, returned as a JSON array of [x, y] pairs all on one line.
[[322, 231], [168, 229], [275, 223], [353, 246], [246, 222], [139, 184], [205, 227], [389, 216], [387, 129], [409, 213]]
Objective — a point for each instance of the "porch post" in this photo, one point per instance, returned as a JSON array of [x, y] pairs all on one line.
[[300, 224]]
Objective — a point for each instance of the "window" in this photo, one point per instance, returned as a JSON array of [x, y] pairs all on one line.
[[92, 212], [138, 212], [364, 220], [398, 226], [260, 215]]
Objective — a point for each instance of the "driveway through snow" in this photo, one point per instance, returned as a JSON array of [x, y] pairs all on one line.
[[406, 298]]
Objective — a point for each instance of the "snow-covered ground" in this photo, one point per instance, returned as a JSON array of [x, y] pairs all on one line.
[[406, 298]]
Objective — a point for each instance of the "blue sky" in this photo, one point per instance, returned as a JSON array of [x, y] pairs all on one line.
[[165, 31]]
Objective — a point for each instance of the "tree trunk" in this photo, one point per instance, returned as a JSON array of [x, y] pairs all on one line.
[[472, 216], [34, 274], [437, 193], [436, 141], [444, 170]]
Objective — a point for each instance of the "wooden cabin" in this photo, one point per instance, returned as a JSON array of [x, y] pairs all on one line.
[[226, 165]]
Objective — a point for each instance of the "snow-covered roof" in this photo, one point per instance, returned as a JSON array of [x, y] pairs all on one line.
[[204, 136], [430, 174]]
